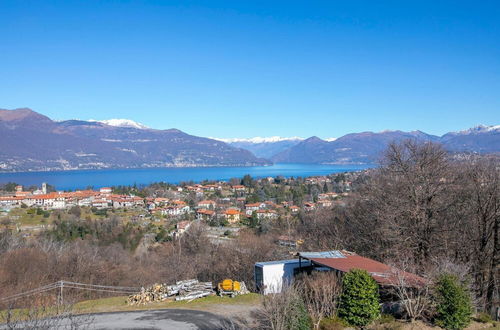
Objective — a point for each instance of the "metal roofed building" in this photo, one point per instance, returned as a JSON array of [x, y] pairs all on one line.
[[343, 261], [272, 276]]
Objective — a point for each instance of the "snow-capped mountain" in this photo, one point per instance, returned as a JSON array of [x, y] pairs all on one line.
[[477, 130], [31, 141], [121, 123], [483, 139], [258, 139], [366, 147]]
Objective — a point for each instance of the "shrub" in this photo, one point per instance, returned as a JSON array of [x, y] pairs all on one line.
[[320, 292], [332, 324], [483, 318], [359, 302], [387, 322], [453, 303], [284, 311], [299, 318], [386, 318]]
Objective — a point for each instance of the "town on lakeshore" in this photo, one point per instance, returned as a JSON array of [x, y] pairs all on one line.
[[250, 165], [235, 204]]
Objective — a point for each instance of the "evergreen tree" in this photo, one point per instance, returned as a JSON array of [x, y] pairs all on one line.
[[247, 181], [298, 317], [453, 303], [359, 302]]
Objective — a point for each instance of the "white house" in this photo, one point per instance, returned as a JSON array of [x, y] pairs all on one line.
[[250, 208], [266, 214], [175, 210], [105, 190]]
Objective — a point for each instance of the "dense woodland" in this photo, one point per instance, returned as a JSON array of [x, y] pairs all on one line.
[[421, 210]]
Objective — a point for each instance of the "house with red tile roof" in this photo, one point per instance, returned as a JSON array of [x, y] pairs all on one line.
[[207, 204], [232, 215], [205, 214]]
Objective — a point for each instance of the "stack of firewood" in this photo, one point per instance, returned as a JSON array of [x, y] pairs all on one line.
[[181, 290]]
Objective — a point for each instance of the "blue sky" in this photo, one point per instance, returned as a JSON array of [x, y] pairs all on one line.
[[256, 68]]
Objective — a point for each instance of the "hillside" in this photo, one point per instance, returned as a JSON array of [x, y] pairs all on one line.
[[264, 147], [31, 141], [366, 147]]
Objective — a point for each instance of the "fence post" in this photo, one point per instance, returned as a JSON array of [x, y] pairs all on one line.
[[61, 297]]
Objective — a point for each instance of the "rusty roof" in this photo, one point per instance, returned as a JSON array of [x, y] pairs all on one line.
[[382, 273]]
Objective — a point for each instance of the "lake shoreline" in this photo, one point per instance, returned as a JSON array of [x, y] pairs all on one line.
[[80, 179]]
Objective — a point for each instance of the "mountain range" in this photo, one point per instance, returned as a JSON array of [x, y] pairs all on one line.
[[264, 147], [31, 141], [367, 147]]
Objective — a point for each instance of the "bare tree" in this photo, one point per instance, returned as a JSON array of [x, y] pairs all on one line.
[[404, 207], [277, 309], [320, 292], [413, 294], [480, 195]]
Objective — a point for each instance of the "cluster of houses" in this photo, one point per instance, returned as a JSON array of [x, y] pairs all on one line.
[[220, 201], [41, 198]]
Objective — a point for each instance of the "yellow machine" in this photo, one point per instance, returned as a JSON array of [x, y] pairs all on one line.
[[229, 287]]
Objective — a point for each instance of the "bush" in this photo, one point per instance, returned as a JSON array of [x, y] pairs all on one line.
[[453, 303], [284, 311], [359, 302], [387, 322], [320, 292], [332, 324], [386, 318], [299, 318], [483, 318]]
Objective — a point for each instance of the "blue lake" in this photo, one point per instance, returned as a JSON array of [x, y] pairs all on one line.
[[70, 180]]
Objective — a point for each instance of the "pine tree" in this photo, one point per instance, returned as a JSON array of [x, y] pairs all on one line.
[[359, 302], [453, 301]]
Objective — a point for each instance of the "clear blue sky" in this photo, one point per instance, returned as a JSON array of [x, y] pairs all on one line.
[[256, 68]]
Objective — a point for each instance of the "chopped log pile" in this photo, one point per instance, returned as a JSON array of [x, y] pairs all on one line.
[[181, 290]]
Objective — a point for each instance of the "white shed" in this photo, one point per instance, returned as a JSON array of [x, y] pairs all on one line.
[[270, 276]]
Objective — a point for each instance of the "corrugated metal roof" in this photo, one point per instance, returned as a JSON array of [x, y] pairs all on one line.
[[323, 254], [276, 262]]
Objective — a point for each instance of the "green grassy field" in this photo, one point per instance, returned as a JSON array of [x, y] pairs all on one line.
[[23, 217], [115, 304], [26, 217], [119, 304]]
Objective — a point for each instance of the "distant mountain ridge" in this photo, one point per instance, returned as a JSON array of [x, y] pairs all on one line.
[[122, 123], [31, 141], [366, 147], [265, 147], [258, 139]]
